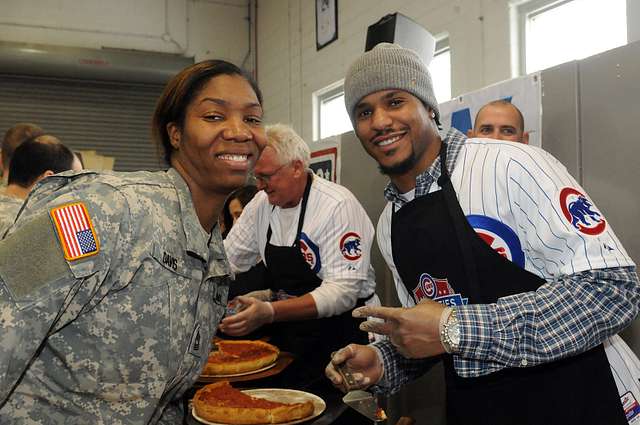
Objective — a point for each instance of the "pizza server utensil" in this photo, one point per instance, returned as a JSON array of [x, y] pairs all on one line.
[[361, 401], [366, 404]]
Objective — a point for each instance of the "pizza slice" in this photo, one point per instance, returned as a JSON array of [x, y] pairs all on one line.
[[240, 356], [220, 402]]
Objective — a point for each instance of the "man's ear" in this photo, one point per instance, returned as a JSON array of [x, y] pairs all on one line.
[[175, 135], [298, 168], [525, 137], [44, 175], [470, 133]]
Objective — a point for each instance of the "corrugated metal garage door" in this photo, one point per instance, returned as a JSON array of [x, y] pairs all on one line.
[[110, 118]]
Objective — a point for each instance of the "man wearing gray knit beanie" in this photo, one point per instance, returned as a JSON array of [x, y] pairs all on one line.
[[491, 266]]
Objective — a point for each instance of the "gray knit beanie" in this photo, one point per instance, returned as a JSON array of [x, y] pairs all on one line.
[[388, 66]]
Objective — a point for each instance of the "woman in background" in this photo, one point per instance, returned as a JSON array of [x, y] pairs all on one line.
[[234, 205], [253, 279]]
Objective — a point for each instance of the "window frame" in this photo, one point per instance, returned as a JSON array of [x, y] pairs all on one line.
[[319, 97], [522, 11], [443, 45]]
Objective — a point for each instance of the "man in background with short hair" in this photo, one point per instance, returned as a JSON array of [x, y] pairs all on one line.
[[37, 158], [12, 139], [500, 120]]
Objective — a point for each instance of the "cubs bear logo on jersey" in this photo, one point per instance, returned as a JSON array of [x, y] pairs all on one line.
[[500, 237], [350, 246], [437, 290], [310, 252], [580, 212]]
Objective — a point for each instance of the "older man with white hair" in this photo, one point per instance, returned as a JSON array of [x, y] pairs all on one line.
[[315, 239]]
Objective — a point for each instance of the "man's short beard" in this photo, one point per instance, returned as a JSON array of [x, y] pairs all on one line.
[[400, 168]]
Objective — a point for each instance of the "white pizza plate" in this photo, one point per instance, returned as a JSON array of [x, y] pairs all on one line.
[[283, 396], [250, 372]]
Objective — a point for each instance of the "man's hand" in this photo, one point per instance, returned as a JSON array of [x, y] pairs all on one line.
[[361, 361], [254, 314], [262, 294], [413, 331]]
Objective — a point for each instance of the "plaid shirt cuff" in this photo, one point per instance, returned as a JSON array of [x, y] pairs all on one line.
[[398, 370], [476, 330], [386, 353]]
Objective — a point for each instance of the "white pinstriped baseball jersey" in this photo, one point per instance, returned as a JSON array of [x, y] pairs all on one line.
[[525, 202], [336, 242], [625, 367]]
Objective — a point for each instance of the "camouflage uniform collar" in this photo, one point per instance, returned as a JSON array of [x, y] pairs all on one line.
[[197, 238]]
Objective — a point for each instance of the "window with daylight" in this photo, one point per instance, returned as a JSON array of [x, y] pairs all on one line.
[[554, 32], [330, 114], [440, 70]]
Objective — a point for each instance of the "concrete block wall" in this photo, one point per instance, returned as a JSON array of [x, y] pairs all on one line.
[[290, 68]]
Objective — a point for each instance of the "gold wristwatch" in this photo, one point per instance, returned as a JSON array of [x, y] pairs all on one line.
[[450, 333]]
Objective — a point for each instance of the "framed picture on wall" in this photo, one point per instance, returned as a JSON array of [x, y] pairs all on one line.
[[326, 22], [324, 163]]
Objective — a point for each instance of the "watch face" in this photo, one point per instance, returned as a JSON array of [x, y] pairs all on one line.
[[454, 334]]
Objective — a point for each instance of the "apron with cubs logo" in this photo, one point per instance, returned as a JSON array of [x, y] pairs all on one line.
[[439, 255], [313, 340]]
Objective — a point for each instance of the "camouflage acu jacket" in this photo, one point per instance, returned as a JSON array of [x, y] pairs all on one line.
[[9, 207], [112, 324]]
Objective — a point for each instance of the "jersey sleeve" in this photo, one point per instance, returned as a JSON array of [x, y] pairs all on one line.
[[346, 259], [562, 229], [42, 285], [348, 236], [241, 244]]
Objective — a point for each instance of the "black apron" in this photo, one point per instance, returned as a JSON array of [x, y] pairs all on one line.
[[254, 279], [439, 255], [311, 341]]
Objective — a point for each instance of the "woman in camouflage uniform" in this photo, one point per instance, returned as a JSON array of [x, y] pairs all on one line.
[[112, 284]]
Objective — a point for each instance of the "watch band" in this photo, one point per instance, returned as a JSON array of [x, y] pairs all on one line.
[[450, 331]]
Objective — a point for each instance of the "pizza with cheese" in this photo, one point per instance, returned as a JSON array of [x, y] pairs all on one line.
[[221, 403], [240, 356]]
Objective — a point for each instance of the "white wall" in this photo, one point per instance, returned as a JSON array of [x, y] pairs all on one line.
[[288, 65], [290, 69], [193, 28]]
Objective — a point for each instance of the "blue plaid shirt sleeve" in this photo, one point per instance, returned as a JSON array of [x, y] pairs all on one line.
[[567, 316], [399, 370], [562, 318]]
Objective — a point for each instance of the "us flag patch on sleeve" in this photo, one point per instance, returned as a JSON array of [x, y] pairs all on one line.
[[75, 231]]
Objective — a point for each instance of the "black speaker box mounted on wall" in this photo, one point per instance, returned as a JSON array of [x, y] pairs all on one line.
[[397, 28]]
